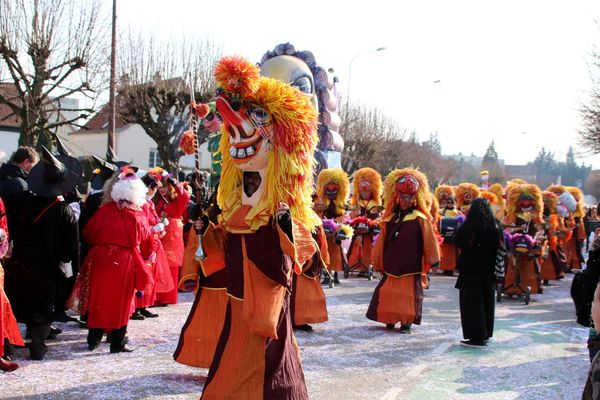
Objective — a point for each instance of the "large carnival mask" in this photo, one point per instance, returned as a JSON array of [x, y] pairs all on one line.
[[467, 198], [294, 71], [525, 203], [407, 187], [331, 190], [250, 130], [364, 189]]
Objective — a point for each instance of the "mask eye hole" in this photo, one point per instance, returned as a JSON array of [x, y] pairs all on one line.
[[258, 115], [304, 84]]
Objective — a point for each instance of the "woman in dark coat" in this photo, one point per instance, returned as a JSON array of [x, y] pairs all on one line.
[[478, 240]]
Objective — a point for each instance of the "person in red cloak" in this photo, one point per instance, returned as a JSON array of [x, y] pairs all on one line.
[[171, 203], [9, 330], [120, 240]]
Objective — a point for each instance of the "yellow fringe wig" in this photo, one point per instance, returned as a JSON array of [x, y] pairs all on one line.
[[490, 197], [498, 190], [557, 189], [390, 200], [444, 191], [578, 194], [464, 188], [339, 177], [290, 162], [513, 199], [368, 174], [434, 205]]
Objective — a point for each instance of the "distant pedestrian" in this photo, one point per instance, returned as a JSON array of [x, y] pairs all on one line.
[[591, 391], [13, 174], [478, 240]]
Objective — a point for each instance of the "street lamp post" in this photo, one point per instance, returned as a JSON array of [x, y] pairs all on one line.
[[350, 71]]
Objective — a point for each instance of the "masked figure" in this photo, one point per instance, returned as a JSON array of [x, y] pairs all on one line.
[[407, 241], [366, 207], [268, 138], [450, 221], [575, 244], [555, 263], [299, 69], [524, 218], [333, 188], [465, 194]]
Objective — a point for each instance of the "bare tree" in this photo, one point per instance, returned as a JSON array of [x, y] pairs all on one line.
[[155, 91], [590, 111], [50, 50]]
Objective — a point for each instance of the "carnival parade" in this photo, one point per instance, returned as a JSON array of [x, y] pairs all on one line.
[[279, 242]]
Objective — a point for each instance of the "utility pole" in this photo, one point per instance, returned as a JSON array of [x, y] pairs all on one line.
[[111, 151]]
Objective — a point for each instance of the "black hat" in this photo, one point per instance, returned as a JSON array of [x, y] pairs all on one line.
[[60, 146], [53, 176], [107, 169]]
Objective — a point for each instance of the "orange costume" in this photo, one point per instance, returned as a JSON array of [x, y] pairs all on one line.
[[555, 262], [524, 209], [333, 188], [575, 244], [267, 141], [366, 204], [407, 241], [465, 194], [446, 198]]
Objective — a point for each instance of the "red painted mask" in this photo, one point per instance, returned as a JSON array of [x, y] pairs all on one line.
[[331, 190], [406, 191], [364, 188]]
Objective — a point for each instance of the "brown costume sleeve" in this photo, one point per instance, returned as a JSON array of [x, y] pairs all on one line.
[[377, 252], [431, 249], [214, 243], [190, 268]]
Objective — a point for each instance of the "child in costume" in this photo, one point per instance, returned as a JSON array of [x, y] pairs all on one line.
[[333, 188], [407, 241], [366, 207], [268, 138]]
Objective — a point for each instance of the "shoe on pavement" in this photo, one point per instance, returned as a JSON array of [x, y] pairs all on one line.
[[147, 313], [473, 343]]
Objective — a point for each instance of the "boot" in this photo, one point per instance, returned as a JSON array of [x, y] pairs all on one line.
[[405, 328], [336, 280], [7, 366], [137, 315], [94, 338], [326, 279], [118, 341], [37, 347], [147, 314], [54, 332]]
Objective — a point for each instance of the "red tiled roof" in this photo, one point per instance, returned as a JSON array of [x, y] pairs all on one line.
[[9, 91], [99, 122]]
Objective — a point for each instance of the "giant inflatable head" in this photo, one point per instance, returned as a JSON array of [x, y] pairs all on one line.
[[299, 69]]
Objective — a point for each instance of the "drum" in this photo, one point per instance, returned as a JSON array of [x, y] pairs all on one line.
[[362, 228], [448, 227]]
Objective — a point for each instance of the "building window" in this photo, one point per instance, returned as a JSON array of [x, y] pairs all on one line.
[[154, 159]]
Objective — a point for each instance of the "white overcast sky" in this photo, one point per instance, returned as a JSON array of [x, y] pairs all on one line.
[[510, 71]]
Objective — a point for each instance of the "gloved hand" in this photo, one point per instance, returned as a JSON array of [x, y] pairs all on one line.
[[160, 227]]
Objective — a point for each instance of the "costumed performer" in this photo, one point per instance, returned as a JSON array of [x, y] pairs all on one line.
[[574, 247], [333, 188], [44, 235], [366, 209], [120, 243], [171, 201], [406, 241], [555, 263], [9, 330], [498, 190], [524, 219], [267, 142], [465, 194], [451, 220]]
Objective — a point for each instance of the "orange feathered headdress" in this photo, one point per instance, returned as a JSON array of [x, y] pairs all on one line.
[[390, 200], [444, 191], [578, 194], [338, 176], [512, 203], [291, 161], [464, 188], [368, 174]]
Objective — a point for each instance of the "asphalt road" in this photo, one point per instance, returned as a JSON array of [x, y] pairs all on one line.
[[538, 352]]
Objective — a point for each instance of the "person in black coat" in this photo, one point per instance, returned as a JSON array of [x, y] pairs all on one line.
[[478, 240], [43, 230], [13, 174]]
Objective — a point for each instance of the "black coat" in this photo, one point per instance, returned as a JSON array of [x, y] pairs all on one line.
[[13, 181], [39, 247], [477, 252]]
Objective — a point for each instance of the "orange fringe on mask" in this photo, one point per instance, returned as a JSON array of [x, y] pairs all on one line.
[[290, 162], [489, 196], [338, 176], [434, 205], [367, 174], [557, 189], [464, 188], [550, 201], [444, 191], [513, 199], [389, 191]]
